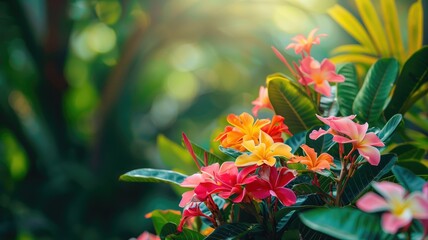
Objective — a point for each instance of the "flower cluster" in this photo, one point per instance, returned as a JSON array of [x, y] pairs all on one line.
[[262, 168]]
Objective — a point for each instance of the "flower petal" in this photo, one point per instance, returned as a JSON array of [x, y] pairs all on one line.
[[391, 223], [389, 190], [371, 202], [286, 196], [246, 160], [371, 154]]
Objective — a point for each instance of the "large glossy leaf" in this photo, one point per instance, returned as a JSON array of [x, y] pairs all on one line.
[[408, 151], [345, 223], [234, 231], [175, 156], [371, 99], [153, 175], [295, 141], [386, 132], [291, 102], [417, 167], [408, 179], [364, 175], [392, 27], [374, 26], [415, 27], [169, 231], [351, 25], [413, 75], [201, 154], [162, 217], [347, 90]]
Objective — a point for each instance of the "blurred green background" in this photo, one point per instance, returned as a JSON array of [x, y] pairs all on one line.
[[87, 86]]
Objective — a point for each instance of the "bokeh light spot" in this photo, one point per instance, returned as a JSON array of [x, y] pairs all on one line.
[[100, 38], [182, 86], [108, 11], [186, 57]]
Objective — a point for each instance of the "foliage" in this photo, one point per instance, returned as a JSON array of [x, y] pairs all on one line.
[[305, 170]]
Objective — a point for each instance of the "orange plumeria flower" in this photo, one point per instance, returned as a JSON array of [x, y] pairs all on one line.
[[264, 152], [244, 129], [302, 44], [276, 128], [262, 101], [312, 161]]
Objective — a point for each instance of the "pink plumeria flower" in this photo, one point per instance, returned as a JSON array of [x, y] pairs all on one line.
[[272, 182], [303, 44], [147, 236], [400, 207], [228, 181], [262, 101], [344, 130], [192, 210], [206, 175], [319, 74], [425, 221]]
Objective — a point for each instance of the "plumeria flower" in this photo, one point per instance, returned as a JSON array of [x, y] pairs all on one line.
[[312, 161], [319, 74], [425, 221], [228, 181], [302, 44], [400, 207], [206, 175], [192, 210], [262, 101], [272, 182], [276, 128], [147, 236], [344, 130], [263, 153], [244, 129]]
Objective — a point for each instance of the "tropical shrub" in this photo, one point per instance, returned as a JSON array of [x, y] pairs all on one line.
[[309, 170]]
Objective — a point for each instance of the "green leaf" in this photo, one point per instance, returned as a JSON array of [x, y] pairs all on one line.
[[306, 189], [234, 231], [408, 151], [345, 223], [169, 231], [415, 166], [211, 157], [386, 132], [323, 143], [347, 90], [230, 152], [162, 217], [175, 156], [364, 175], [412, 77], [295, 141], [407, 179], [291, 102], [372, 97], [153, 175]]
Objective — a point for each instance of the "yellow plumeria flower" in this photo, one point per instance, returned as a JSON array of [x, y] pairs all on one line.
[[263, 153]]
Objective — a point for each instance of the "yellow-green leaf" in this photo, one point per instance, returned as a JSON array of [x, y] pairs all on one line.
[[392, 27], [415, 27], [355, 58], [351, 25], [371, 21], [352, 48]]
